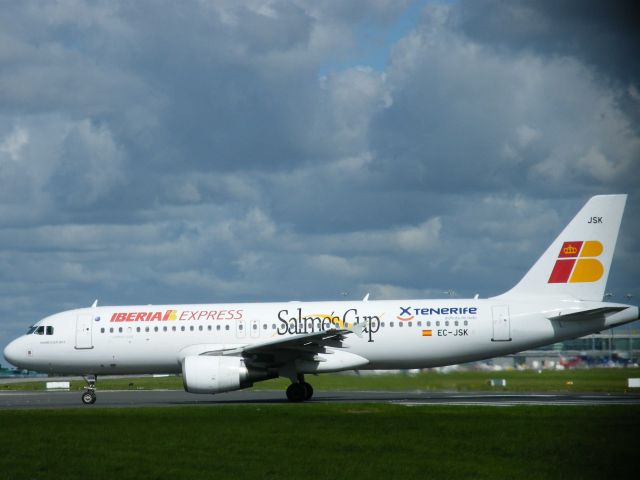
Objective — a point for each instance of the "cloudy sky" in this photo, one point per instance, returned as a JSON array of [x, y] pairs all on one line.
[[222, 151]]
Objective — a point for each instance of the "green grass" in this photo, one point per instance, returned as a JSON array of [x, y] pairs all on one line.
[[320, 442], [593, 380]]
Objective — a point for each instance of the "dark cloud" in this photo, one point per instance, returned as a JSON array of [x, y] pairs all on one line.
[[604, 34]]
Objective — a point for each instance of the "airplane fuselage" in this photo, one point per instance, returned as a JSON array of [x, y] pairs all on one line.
[[391, 334]]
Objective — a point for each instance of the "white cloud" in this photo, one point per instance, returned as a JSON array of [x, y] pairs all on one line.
[[422, 237], [14, 142], [393, 292], [334, 265], [526, 134], [596, 165]]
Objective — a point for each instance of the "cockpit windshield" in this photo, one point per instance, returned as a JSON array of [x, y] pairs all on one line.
[[40, 330]]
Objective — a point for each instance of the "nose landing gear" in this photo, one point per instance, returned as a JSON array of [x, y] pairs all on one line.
[[89, 395]]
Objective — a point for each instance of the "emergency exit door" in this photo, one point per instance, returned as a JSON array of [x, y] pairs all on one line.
[[83, 331], [501, 323]]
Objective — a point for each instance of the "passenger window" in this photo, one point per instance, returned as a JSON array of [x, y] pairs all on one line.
[[164, 328], [391, 324], [400, 324], [137, 329], [410, 323], [111, 330], [264, 326], [218, 327], [191, 328], [102, 330], [146, 329], [120, 329], [209, 327], [49, 330], [200, 327], [182, 328], [155, 329], [226, 327], [173, 328]]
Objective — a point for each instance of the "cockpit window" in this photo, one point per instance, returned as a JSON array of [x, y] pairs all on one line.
[[31, 330], [40, 330], [49, 330]]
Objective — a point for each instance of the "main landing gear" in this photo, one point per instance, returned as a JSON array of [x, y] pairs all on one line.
[[89, 395], [299, 391]]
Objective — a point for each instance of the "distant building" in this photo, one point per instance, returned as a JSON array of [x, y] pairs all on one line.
[[608, 348]]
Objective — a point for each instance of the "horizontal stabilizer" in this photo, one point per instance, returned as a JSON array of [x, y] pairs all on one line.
[[587, 314]]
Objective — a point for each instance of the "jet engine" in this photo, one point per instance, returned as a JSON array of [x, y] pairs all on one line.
[[216, 374]]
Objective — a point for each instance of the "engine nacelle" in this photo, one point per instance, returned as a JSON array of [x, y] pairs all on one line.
[[214, 374]]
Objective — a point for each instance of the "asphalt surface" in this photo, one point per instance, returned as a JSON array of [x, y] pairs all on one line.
[[146, 398]]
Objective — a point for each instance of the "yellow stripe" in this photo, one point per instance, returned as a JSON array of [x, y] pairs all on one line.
[[592, 248], [587, 270]]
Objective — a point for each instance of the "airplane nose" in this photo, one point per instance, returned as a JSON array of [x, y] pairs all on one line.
[[11, 353]]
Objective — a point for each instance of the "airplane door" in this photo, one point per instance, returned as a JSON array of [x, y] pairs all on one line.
[[83, 331], [241, 330], [501, 324], [255, 328]]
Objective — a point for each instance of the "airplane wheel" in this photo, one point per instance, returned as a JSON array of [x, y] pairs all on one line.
[[296, 392], [88, 398], [308, 390]]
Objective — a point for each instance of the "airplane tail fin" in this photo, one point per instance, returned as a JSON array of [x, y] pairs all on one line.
[[577, 263]]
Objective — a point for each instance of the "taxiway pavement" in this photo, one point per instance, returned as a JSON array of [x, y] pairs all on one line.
[[147, 398]]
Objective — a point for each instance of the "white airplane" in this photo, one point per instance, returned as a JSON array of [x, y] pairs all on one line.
[[225, 347]]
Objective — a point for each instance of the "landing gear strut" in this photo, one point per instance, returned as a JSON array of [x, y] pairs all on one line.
[[299, 391], [89, 395]]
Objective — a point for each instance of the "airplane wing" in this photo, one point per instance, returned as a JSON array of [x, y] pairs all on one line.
[[587, 314], [277, 352], [332, 337]]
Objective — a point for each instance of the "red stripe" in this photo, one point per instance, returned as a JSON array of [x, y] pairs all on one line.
[[561, 271]]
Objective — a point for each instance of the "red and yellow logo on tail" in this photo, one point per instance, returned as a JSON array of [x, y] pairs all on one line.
[[577, 263]]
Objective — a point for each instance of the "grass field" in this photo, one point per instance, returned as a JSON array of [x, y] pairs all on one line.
[[593, 380], [320, 441]]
